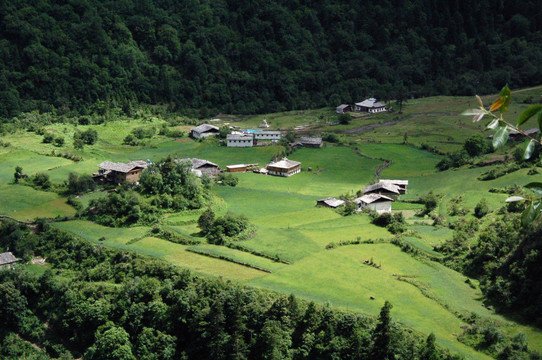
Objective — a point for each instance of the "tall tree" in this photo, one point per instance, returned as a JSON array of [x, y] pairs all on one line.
[[381, 348]]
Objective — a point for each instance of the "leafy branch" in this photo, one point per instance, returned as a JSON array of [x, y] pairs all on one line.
[[533, 205]]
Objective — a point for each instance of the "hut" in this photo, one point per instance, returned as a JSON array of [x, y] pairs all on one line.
[[200, 166], [267, 135], [330, 202], [119, 173], [237, 168], [310, 142], [402, 185], [284, 167], [7, 260], [343, 108], [204, 130]]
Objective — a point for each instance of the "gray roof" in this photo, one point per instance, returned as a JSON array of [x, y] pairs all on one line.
[[309, 140], [285, 164], [371, 198], [268, 132], [528, 131], [7, 258], [123, 167], [197, 163], [384, 186], [342, 106], [204, 128], [395, 182], [332, 202], [239, 137], [370, 103]]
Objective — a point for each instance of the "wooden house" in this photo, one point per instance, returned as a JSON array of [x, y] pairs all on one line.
[[284, 167], [204, 130], [309, 142], [237, 168], [386, 189], [370, 106], [7, 260], [330, 202], [119, 173], [376, 202], [200, 166], [343, 108]]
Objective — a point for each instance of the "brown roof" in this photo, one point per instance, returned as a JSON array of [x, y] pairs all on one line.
[[7, 258]]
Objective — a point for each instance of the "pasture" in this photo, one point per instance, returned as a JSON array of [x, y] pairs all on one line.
[[427, 296]]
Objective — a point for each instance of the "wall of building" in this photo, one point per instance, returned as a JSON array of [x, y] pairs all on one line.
[[240, 143]]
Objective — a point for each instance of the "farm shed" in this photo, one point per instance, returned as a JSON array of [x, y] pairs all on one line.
[[330, 202], [310, 142], [386, 189], [402, 185], [343, 108], [7, 260], [203, 166], [376, 202], [284, 167], [237, 168], [235, 140], [204, 130], [119, 173], [370, 106]]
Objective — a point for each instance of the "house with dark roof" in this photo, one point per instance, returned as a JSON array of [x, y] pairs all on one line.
[[7, 260], [200, 166], [284, 167], [119, 173], [376, 202], [370, 106], [204, 130]]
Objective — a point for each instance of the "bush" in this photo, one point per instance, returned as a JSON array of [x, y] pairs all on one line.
[[344, 119], [80, 184], [477, 145], [59, 141], [48, 138], [332, 138], [227, 179], [481, 209], [88, 137], [42, 181]]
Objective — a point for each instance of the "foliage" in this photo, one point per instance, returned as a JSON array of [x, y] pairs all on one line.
[[344, 119], [476, 145], [80, 184], [205, 221], [41, 180], [430, 201], [226, 227], [88, 137], [481, 209], [59, 141], [227, 179], [331, 138], [18, 174]]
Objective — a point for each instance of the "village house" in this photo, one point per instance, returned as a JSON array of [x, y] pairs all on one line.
[[119, 173], [284, 167], [240, 140], [401, 184], [200, 166], [7, 260], [267, 135], [204, 130], [376, 202], [386, 189], [330, 202], [343, 108], [308, 142], [370, 106]]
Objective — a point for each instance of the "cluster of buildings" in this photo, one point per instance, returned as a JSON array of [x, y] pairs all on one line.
[[377, 197], [368, 105]]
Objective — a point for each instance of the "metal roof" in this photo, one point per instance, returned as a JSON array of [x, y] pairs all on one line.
[[204, 128], [123, 167], [236, 166], [285, 164], [332, 202], [309, 140], [395, 182], [7, 258], [370, 103], [239, 137], [197, 163], [342, 106], [371, 198], [386, 186]]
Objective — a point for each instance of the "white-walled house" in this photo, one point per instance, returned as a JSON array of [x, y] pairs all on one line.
[[376, 202], [284, 167], [267, 135], [235, 140], [370, 106]]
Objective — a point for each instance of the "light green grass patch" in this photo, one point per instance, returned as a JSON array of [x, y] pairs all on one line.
[[25, 203]]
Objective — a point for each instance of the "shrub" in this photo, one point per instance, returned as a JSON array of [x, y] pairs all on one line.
[[59, 141], [227, 179], [48, 138], [42, 181], [481, 209], [477, 145], [332, 138]]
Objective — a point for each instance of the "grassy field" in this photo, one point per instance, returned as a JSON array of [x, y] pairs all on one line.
[[428, 297]]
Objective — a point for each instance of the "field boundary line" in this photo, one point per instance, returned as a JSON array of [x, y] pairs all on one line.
[[221, 257]]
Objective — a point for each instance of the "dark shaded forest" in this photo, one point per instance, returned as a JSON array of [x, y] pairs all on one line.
[[203, 57]]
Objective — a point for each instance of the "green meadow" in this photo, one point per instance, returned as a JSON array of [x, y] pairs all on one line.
[[426, 296]]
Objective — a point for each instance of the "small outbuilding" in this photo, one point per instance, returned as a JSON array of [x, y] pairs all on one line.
[[7, 260], [119, 173], [370, 106], [200, 166], [330, 202], [237, 168], [284, 167], [204, 130], [376, 202], [343, 108], [310, 142]]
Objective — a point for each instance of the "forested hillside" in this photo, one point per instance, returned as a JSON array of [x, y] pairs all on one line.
[[259, 56]]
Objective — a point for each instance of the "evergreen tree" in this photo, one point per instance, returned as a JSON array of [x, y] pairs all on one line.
[[429, 350], [381, 348]]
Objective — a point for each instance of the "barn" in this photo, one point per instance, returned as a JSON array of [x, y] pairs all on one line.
[[204, 130]]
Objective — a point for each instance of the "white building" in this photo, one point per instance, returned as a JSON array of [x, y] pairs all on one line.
[[376, 202], [370, 106], [204, 130], [267, 135], [234, 140], [284, 167]]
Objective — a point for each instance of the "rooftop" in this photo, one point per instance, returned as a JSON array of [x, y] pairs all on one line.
[[384, 186], [7, 258], [123, 167], [371, 198], [309, 140], [197, 163], [370, 103], [395, 182], [239, 137], [285, 164], [204, 127], [332, 202], [238, 166]]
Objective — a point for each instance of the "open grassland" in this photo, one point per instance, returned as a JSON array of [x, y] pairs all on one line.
[[429, 298]]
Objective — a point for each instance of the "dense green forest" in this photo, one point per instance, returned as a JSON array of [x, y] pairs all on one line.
[[111, 304], [235, 56]]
